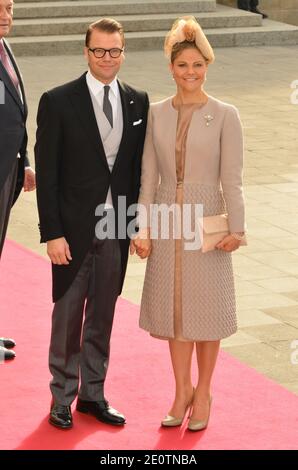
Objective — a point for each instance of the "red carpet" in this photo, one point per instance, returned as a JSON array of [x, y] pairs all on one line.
[[248, 411]]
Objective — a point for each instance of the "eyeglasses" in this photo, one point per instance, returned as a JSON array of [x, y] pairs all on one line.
[[99, 53]]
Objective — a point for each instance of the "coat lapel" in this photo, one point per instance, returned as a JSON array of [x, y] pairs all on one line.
[[8, 83], [83, 104]]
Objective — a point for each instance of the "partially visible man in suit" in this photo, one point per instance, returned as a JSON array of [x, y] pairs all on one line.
[[88, 152], [15, 171], [251, 5]]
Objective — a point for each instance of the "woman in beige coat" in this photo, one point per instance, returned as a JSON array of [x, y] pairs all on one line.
[[193, 155]]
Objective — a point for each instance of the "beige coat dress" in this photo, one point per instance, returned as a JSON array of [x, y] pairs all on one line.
[[193, 155]]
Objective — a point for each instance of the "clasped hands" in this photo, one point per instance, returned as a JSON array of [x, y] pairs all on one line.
[[141, 244]]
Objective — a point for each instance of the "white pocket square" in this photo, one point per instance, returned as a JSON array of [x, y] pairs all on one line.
[[136, 123]]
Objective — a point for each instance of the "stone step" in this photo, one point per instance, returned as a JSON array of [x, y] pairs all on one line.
[[16, 2], [38, 1], [271, 33], [222, 18], [266, 4], [81, 8]]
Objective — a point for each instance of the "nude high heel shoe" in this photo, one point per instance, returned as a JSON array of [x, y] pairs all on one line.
[[199, 425], [172, 421]]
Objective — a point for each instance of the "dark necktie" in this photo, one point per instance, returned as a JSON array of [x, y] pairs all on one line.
[[107, 107], [8, 67]]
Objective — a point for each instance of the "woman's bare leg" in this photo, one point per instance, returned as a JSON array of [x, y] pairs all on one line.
[[181, 355], [207, 353]]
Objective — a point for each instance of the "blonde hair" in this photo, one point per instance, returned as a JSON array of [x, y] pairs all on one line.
[[187, 33]]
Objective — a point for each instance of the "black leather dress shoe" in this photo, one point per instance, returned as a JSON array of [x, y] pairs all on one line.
[[6, 354], [102, 411], [60, 416], [8, 343], [255, 10]]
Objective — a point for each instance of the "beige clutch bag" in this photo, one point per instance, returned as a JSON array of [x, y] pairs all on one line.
[[214, 229]]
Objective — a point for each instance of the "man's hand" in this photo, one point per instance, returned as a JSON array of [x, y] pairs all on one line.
[[29, 179], [58, 251]]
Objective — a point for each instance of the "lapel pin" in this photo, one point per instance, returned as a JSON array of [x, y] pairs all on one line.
[[131, 102]]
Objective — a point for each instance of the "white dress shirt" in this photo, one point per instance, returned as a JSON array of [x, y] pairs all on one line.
[[111, 136], [96, 88]]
